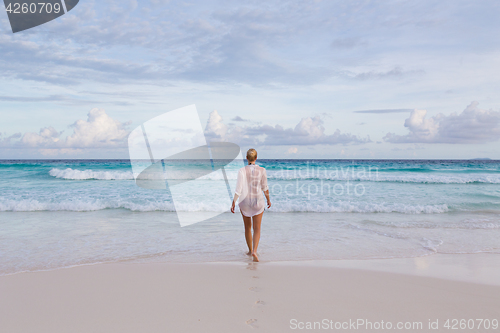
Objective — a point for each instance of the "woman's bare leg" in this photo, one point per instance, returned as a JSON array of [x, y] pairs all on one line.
[[257, 219], [248, 232]]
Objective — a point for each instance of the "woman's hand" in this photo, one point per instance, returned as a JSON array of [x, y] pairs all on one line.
[[236, 196], [266, 193]]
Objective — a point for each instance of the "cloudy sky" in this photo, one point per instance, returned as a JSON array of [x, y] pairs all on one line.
[[294, 79]]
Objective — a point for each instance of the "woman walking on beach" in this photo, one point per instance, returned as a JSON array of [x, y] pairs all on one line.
[[252, 180]]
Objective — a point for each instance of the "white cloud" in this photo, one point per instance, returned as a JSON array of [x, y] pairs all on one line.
[[309, 131], [7, 140], [384, 111], [396, 72], [473, 125], [48, 136], [285, 42], [238, 118], [215, 127], [98, 131]]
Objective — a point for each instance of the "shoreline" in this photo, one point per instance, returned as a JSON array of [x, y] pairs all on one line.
[[234, 297], [437, 265]]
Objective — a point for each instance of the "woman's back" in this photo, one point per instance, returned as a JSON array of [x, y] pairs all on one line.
[[252, 180]]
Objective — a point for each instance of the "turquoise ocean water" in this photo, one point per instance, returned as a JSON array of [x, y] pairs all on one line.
[[73, 212]]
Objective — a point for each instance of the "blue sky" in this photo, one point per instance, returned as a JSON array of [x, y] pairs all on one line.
[[289, 78]]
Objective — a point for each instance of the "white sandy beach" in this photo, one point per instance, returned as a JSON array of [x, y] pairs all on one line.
[[147, 147], [243, 297]]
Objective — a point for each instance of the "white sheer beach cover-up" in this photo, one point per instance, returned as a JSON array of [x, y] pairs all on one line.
[[252, 180]]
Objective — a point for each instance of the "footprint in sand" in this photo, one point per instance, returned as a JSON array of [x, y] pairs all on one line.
[[254, 289], [252, 267], [251, 323], [255, 277], [259, 303]]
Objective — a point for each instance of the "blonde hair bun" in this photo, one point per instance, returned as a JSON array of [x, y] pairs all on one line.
[[251, 155]]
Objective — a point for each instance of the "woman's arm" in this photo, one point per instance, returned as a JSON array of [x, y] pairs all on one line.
[[234, 202], [265, 188], [266, 193], [239, 189]]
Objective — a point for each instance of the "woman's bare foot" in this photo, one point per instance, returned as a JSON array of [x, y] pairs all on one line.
[[249, 253], [255, 258]]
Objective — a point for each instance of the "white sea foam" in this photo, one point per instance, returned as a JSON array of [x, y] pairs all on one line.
[[95, 205], [81, 206], [331, 175], [78, 205], [90, 174], [373, 176], [359, 207], [431, 244], [468, 224]]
